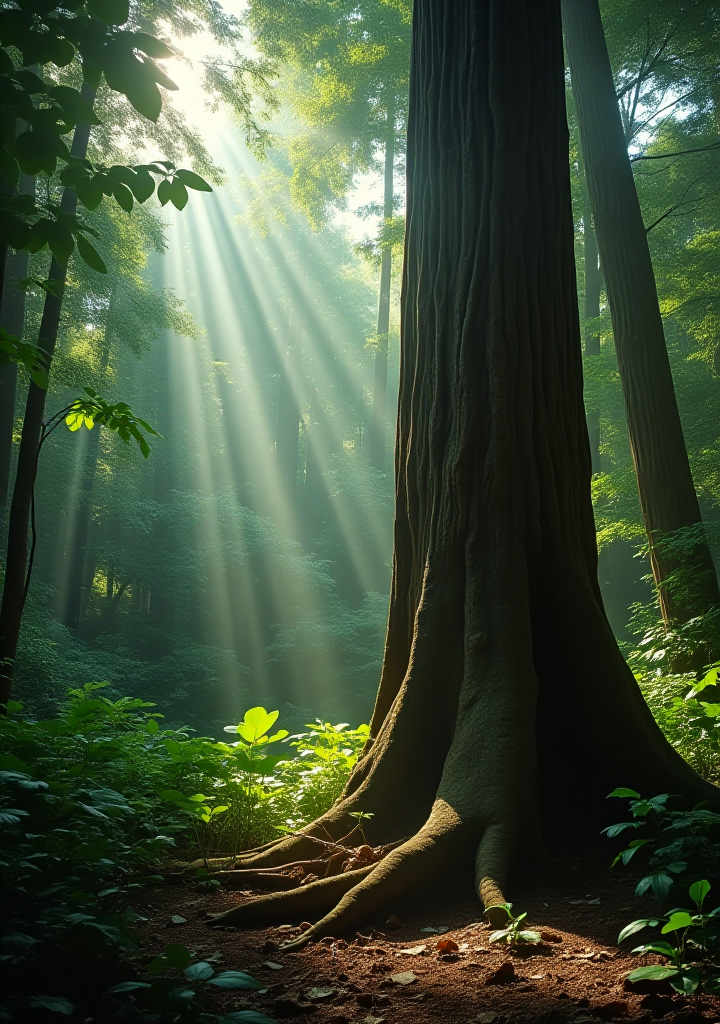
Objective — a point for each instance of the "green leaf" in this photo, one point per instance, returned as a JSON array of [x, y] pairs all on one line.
[[55, 1004], [637, 926], [151, 46], [89, 254], [623, 791], [663, 948], [698, 891], [143, 185], [615, 830], [112, 12], [235, 980], [246, 1017], [200, 971], [192, 180], [688, 981], [130, 986], [164, 192], [679, 919], [256, 722], [123, 197], [178, 194], [655, 972]]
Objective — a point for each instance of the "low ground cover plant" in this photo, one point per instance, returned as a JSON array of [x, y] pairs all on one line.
[[97, 800]]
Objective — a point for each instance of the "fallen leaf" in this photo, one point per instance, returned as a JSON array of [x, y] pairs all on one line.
[[414, 950], [435, 929], [447, 946], [403, 978], [273, 966], [320, 992]]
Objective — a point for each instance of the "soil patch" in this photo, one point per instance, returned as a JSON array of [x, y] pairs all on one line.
[[403, 970]]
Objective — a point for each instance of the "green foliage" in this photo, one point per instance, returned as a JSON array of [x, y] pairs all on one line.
[[117, 417], [172, 991], [686, 709], [513, 934], [94, 800], [692, 950], [678, 843]]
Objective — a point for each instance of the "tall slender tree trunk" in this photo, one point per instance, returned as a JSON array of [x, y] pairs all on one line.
[[665, 484], [78, 578], [14, 589], [378, 439], [505, 712], [12, 320], [591, 309]]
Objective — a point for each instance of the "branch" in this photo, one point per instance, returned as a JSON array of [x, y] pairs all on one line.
[[678, 152]]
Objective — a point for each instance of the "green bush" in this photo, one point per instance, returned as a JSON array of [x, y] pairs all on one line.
[[93, 802]]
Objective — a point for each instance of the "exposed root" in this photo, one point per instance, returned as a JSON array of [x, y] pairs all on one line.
[[491, 862], [306, 901]]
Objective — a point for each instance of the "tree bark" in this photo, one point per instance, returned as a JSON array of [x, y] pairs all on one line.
[[12, 320], [378, 441], [667, 493], [505, 710], [14, 589]]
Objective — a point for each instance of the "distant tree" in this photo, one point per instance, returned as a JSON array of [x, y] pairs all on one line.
[[350, 87], [505, 710], [667, 492]]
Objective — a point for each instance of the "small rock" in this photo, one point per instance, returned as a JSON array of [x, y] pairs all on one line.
[[504, 974], [319, 993], [415, 950], [403, 978], [273, 966]]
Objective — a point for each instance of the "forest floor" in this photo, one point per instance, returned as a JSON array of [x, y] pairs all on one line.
[[395, 973]]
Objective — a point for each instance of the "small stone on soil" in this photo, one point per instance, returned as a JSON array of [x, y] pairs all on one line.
[[504, 974]]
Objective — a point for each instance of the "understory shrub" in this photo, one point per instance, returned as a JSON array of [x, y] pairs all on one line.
[[94, 802]]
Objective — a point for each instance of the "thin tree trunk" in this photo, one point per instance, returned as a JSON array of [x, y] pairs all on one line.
[[76, 582], [665, 485], [12, 320], [14, 589], [593, 286], [378, 440]]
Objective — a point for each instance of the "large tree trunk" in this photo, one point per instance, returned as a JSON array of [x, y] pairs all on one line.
[[505, 710], [667, 493], [14, 589], [378, 440]]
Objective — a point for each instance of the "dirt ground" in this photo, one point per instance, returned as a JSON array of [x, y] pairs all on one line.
[[396, 972]]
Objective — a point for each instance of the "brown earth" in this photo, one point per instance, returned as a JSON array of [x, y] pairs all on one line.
[[394, 973]]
